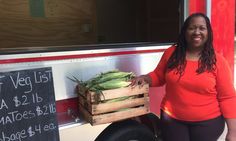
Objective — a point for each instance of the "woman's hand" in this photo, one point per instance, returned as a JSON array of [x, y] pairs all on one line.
[[141, 80]]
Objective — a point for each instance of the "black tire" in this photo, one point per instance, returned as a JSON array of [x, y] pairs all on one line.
[[129, 130]]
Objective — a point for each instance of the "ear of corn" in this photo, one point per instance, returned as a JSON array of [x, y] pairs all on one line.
[[112, 71], [114, 84], [96, 83], [107, 80], [114, 75]]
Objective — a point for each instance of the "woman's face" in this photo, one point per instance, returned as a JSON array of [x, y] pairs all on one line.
[[196, 34]]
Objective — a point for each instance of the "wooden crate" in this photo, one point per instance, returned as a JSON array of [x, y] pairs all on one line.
[[98, 112]]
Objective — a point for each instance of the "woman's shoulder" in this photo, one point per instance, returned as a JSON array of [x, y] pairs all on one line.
[[220, 59], [170, 50]]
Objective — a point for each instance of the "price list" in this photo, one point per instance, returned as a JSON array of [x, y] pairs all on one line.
[[27, 106]]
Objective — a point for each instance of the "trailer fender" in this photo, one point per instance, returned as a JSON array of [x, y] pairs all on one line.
[[152, 121], [140, 128]]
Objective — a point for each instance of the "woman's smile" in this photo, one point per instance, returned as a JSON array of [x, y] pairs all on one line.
[[196, 33]]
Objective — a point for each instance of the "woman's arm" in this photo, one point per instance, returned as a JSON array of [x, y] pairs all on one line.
[[226, 96], [231, 124]]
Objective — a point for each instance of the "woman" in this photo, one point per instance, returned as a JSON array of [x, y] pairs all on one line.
[[200, 96]]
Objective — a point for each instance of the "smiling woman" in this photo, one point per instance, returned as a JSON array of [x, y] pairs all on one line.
[[193, 107]]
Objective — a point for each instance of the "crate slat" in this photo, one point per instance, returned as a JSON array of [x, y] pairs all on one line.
[[113, 106], [116, 93], [111, 117]]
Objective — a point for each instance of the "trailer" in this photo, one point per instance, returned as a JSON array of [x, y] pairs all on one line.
[[84, 38]]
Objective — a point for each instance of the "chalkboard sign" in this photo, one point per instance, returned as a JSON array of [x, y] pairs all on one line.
[[27, 106]]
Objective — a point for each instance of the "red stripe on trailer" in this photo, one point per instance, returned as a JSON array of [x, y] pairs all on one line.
[[76, 56], [65, 116]]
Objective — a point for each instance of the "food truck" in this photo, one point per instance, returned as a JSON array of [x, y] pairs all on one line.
[[82, 38]]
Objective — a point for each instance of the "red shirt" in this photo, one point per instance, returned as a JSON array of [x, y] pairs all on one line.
[[196, 97]]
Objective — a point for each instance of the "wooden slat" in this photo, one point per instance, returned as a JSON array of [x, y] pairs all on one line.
[[114, 106], [85, 114], [86, 104], [107, 118], [116, 116], [95, 109], [116, 93]]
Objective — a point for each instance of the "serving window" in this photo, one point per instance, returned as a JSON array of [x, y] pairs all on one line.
[[50, 23]]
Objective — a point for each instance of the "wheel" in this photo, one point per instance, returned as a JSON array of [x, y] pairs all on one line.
[[129, 130]]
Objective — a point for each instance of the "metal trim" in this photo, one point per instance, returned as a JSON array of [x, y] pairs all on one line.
[[208, 8], [50, 56], [186, 9]]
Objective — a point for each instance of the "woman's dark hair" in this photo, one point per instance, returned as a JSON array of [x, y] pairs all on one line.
[[207, 60]]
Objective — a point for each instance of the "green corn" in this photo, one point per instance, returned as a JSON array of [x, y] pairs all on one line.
[[111, 75], [112, 71], [114, 75], [108, 80], [114, 84]]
